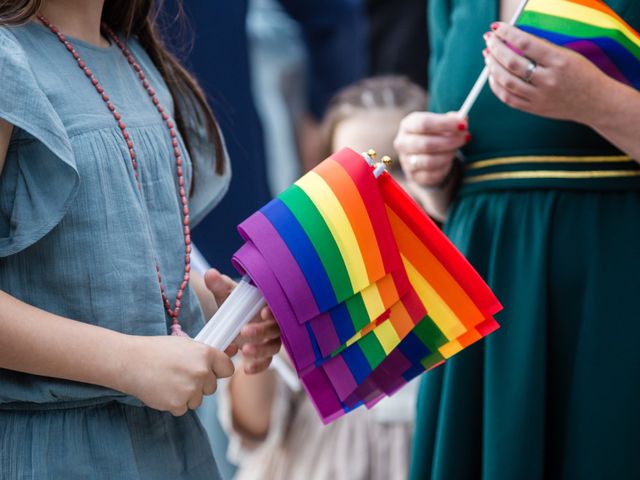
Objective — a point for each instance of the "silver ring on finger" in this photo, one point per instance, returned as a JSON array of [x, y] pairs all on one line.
[[531, 70], [413, 161]]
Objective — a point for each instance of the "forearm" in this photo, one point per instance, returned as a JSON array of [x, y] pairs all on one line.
[[206, 298], [252, 398], [615, 114], [37, 342]]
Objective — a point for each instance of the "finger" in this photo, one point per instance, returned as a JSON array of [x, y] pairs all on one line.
[[510, 60], [435, 123], [257, 367], [210, 385], [508, 80], [220, 285], [231, 350], [220, 364], [426, 162], [430, 178], [179, 411], [260, 332], [253, 351], [422, 144], [195, 401], [508, 97], [531, 46]]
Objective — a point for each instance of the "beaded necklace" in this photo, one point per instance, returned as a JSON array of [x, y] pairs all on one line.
[[174, 312]]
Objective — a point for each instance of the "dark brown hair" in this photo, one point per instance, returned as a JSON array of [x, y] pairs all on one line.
[[138, 18], [394, 92]]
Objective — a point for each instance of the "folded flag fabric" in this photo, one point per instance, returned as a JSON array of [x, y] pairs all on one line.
[[591, 28], [367, 290]]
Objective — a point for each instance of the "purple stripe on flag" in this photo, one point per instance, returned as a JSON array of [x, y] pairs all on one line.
[[325, 333], [294, 337], [282, 263], [340, 376], [322, 395]]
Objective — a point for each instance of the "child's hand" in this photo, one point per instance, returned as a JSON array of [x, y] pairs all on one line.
[[259, 341], [172, 373]]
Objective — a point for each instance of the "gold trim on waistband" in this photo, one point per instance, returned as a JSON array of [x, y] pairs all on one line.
[[552, 174], [548, 159]]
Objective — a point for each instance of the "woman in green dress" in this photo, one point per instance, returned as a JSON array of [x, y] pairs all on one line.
[[547, 209]]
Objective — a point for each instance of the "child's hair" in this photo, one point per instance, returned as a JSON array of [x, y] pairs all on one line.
[[137, 18], [392, 92]]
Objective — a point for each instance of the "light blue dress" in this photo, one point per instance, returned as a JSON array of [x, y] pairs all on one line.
[[78, 239]]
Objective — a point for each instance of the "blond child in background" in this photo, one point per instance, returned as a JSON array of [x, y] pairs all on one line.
[[274, 430]]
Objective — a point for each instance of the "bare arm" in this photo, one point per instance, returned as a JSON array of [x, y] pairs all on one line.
[[616, 116], [252, 398], [5, 136]]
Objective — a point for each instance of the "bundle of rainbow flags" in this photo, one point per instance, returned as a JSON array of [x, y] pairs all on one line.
[[367, 290], [591, 28]]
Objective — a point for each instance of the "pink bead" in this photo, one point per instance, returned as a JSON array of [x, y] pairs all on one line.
[[160, 109], [179, 161], [122, 125], [76, 55], [183, 285], [145, 84], [185, 210], [105, 97], [175, 142], [185, 278], [141, 75], [187, 259], [131, 60], [178, 303], [125, 135], [185, 220], [187, 268], [165, 117], [170, 124], [179, 295], [69, 46], [172, 133], [117, 116], [188, 249], [182, 192], [155, 101], [184, 202], [61, 37], [137, 68], [181, 182], [93, 79], [132, 153], [53, 28], [81, 63], [179, 171], [187, 230], [99, 89], [111, 106], [151, 92]]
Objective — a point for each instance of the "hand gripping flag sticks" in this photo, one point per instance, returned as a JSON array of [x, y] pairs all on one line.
[[367, 291]]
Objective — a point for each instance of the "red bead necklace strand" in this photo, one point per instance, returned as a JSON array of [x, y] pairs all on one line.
[[174, 313]]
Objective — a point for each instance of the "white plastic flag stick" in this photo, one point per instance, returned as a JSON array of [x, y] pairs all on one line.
[[484, 76]]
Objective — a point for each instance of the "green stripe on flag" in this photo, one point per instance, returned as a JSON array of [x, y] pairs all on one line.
[[309, 217]]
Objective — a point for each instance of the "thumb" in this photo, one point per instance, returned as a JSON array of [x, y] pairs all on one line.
[[218, 284]]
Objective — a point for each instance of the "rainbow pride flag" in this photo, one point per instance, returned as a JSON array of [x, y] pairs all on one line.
[[366, 289], [590, 28]]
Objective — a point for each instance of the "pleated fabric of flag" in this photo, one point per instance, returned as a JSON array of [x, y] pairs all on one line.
[[591, 28], [366, 289]]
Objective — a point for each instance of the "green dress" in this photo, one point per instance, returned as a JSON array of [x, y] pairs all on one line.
[[549, 214]]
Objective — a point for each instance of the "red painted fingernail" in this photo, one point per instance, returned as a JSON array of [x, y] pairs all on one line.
[[485, 52], [468, 138], [494, 26], [486, 36], [462, 126]]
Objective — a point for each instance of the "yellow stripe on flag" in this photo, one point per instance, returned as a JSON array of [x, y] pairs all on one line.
[[336, 219], [387, 336], [437, 309], [581, 13]]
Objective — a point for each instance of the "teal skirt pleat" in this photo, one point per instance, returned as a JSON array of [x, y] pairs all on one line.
[[554, 393]]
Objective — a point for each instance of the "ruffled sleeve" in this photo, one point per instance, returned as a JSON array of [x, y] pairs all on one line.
[[40, 179], [208, 187]]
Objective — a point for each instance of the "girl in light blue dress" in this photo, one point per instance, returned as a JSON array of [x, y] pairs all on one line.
[[109, 155]]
